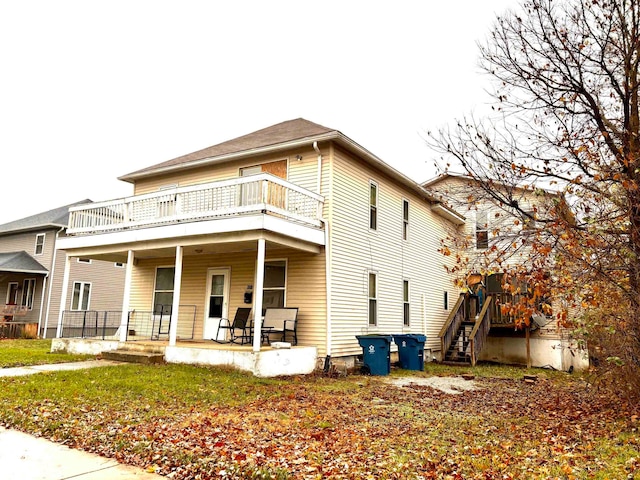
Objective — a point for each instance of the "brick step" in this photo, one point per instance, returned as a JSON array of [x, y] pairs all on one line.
[[131, 356]]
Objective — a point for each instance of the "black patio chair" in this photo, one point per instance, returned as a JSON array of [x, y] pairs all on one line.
[[239, 329]]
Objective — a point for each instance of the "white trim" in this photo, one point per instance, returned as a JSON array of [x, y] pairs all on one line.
[[35, 248], [63, 295], [406, 302], [81, 297], [375, 297], [286, 277], [405, 221], [226, 272], [177, 287], [257, 300], [124, 319], [7, 300], [370, 206], [25, 291], [247, 223]]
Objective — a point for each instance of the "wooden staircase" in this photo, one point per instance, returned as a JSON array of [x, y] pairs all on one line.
[[464, 334]]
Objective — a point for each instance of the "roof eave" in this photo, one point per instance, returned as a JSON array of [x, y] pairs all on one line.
[[44, 226]]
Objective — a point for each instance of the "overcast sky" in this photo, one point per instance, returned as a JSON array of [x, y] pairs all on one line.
[[91, 90]]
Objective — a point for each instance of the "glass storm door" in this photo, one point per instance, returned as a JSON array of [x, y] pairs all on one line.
[[217, 306]]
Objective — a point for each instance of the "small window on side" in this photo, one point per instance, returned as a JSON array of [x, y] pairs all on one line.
[[373, 205], [39, 248]]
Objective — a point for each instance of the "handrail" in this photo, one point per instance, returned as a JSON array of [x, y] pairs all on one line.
[[262, 193], [451, 326], [480, 331]]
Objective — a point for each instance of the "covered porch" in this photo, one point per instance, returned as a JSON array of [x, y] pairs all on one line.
[[268, 362], [194, 261]]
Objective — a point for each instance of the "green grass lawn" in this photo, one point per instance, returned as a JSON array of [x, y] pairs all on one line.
[[195, 422], [18, 353]]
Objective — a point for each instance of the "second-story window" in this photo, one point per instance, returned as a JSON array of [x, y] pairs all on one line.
[[405, 219], [39, 249], [482, 229], [373, 205]]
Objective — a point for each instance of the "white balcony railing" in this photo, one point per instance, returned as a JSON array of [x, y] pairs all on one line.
[[263, 193]]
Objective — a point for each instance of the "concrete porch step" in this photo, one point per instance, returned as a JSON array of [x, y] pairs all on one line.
[[133, 356]]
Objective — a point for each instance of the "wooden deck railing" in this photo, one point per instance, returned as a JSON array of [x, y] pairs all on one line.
[[480, 331], [262, 193], [453, 323]]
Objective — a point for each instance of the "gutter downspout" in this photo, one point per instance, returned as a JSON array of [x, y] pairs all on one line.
[[327, 254], [52, 277]]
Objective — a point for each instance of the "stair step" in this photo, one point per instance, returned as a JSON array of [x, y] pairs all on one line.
[[131, 356]]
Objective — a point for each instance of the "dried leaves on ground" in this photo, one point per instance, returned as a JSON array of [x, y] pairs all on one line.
[[358, 427]]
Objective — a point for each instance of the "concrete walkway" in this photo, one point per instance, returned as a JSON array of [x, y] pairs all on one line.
[[26, 457]]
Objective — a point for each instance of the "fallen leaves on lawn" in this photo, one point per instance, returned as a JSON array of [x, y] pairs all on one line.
[[505, 430]]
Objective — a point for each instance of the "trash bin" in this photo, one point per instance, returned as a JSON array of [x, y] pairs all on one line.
[[410, 350], [376, 353]]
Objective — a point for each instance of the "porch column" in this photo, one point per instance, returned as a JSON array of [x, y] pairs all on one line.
[[63, 295], [177, 283], [257, 304], [124, 319], [44, 288]]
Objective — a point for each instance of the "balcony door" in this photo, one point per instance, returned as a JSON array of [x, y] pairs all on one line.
[[217, 305]]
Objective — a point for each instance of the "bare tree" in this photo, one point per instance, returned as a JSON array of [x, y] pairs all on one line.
[[566, 116]]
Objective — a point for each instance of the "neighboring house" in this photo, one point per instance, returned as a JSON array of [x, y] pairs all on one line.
[[491, 226], [31, 276], [294, 215]]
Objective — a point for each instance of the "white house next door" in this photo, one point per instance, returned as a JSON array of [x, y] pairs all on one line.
[[217, 302]]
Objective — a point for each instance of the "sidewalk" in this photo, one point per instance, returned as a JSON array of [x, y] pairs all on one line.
[[26, 457]]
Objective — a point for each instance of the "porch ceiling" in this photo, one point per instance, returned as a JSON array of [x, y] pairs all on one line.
[[210, 246]]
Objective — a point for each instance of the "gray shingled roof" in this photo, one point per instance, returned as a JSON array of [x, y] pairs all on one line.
[[20, 262], [58, 217], [284, 132]]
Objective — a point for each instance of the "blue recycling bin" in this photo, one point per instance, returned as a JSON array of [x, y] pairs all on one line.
[[410, 350], [376, 353]]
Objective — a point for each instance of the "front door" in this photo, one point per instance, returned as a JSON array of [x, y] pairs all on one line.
[[217, 302]]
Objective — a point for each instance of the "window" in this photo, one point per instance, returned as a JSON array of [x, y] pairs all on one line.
[[12, 293], [373, 206], [405, 301], [28, 292], [39, 249], [445, 301], [373, 299], [482, 229], [275, 281], [405, 219], [84, 260], [163, 293], [81, 296], [118, 265]]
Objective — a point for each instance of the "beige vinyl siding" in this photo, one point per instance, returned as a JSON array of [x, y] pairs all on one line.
[[356, 250], [302, 173], [107, 283], [305, 287], [26, 241]]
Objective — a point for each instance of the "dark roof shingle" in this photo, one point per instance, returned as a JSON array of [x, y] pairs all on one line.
[[20, 262], [57, 217], [280, 133]]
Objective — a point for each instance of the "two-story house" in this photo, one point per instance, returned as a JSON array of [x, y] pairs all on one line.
[[294, 215], [32, 275], [495, 238]]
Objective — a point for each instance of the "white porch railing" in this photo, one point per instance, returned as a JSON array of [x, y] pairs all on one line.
[[263, 193]]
